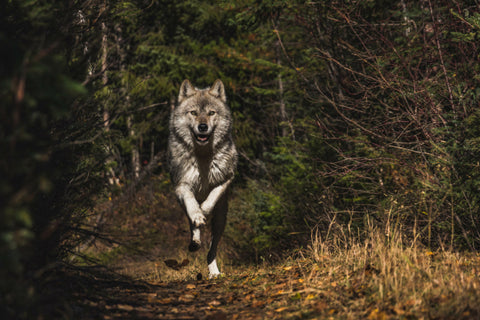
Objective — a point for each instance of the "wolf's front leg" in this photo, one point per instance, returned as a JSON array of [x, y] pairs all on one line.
[[195, 240], [187, 199], [213, 197], [218, 225]]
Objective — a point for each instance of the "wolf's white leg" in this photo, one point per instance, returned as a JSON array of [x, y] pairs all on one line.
[[195, 242], [213, 269], [218, 225], [212, 199], [196, 235], [187, 199]]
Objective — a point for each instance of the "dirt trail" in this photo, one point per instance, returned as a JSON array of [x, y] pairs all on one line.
[[96, 293], [148, 273], [141, 278]]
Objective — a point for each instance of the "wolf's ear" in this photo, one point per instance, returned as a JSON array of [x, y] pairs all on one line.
[[218, 90], [186, 90]]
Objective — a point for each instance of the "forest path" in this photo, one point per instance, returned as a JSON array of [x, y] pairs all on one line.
[[140, 268], [250, 294], [144, 271]]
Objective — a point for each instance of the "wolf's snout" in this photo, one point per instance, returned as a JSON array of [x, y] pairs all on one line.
[[202, 127]]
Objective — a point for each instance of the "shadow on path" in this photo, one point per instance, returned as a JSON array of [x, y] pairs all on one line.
[[98, 293]]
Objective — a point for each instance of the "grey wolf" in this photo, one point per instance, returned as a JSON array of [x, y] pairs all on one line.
[[202, 160]]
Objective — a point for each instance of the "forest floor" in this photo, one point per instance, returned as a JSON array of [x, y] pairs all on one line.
[[143, 270]]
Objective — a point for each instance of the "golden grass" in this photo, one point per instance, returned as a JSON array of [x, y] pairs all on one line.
[[381, 278], [337, 277]]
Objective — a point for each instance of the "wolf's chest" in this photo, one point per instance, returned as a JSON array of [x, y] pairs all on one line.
[[206, 175]]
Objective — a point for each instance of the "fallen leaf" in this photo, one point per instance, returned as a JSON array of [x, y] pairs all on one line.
[[184, 263], [215, 303], [165, 301], [186, 298], [125, 307], [142, 309], [258, 304], [151, 297], [172, 263], [191, 286], [281, 309]]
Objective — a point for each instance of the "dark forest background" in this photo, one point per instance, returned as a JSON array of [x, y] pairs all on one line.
[[347, 113]]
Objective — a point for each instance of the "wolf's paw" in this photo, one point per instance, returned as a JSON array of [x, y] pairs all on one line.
[[195, 241], [194, 246], [198, 219], [216, 275]]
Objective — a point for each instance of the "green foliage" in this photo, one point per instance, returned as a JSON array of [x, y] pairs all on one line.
[[258, 225], [38, 198], [342, 110], [371, 127], [393, 136]]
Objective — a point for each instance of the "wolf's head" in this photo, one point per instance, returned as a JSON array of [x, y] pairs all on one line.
[[202, 117]]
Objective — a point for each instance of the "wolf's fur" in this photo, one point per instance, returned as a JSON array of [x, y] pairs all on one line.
[[202, 160]]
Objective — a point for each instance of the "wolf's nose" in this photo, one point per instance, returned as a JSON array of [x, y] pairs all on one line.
[[202, 127]]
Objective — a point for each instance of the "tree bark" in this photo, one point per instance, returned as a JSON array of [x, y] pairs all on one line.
[[112, 177]]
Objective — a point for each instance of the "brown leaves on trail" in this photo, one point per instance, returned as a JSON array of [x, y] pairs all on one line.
[[250, 295], [279, 292], [173, 264]]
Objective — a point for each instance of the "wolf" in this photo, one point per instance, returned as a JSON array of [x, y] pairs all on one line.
[[202, 160]]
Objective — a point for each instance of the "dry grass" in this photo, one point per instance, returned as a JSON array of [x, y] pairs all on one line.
[[381, 278]]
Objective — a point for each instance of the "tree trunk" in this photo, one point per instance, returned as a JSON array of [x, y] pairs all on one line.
[[282, 109], [135, 154], [112, 177]]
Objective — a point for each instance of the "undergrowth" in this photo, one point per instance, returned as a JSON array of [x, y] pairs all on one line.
[[384, 277], [343, 273]]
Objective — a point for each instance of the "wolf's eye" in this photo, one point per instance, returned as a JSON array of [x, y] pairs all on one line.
[[193, 113], [211, 113]]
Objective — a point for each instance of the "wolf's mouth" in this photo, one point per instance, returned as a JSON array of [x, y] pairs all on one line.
[[202, 137]]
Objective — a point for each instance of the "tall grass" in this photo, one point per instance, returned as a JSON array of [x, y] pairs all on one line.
[[379, 276]]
